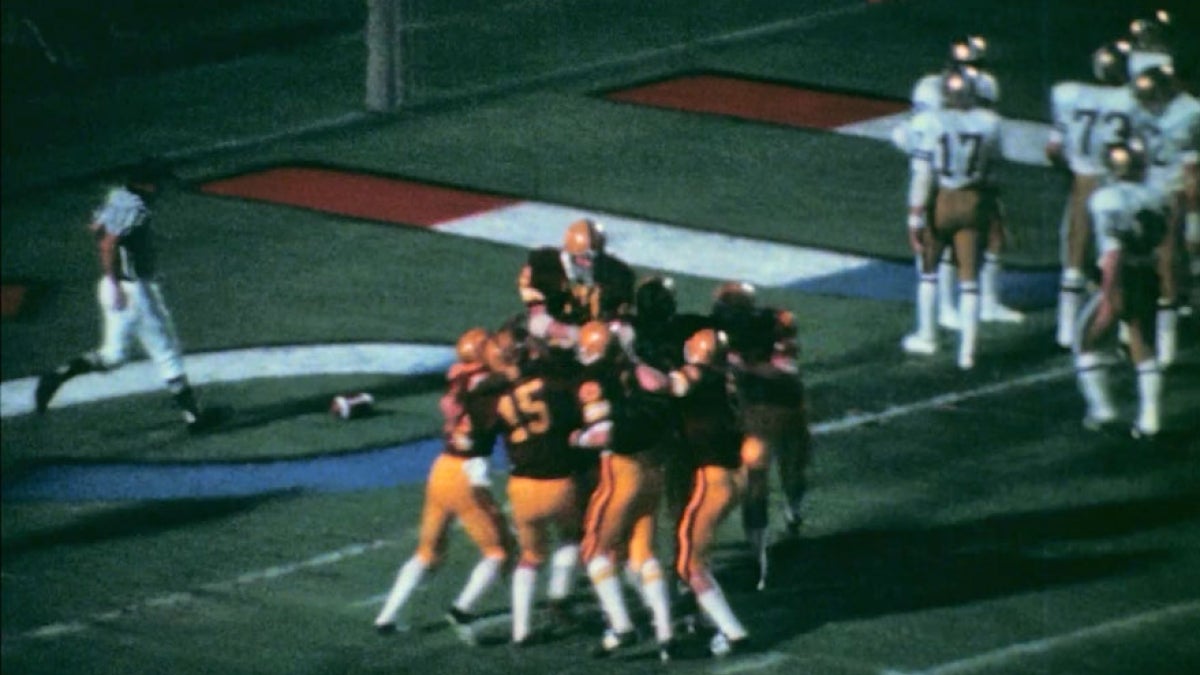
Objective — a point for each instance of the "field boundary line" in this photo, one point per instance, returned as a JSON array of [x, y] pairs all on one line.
[[1005, 654]]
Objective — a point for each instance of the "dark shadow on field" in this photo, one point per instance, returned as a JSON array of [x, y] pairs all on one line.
[[263, 415], [136, 520], [869, 573]]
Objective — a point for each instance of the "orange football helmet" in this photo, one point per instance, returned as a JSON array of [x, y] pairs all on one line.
[[734, 294], [470, 345], [705, 347], [595, 341], [584, 237]]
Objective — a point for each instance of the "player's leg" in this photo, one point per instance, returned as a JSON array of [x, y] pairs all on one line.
[[757, 450], [157, 335], [530, 499], [116, 333], [794, 457], [966, 244], [603, 526], [1076, 247], [712, 499], [645, 567], [990, 307], [1167, 316], [924, 339], [1097, 324], [1139, 290], [434, 519], [483, 522]]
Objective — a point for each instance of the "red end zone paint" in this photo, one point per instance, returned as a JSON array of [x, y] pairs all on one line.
[[760, 101], [359, 195], [12, 297]]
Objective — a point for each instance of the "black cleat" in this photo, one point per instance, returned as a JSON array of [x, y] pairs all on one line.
[[668, 651], [461, 621], [613, 643], [385, 629], [47, 386], [722, 647]]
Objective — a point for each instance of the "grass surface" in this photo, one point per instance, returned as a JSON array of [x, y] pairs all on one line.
[[984, 532]]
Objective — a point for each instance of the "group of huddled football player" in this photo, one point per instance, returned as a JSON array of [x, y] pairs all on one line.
[[1131, 227], [615, 410]]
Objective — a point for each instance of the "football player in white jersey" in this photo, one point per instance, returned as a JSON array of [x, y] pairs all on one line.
[[1087, 117], [1169, 120], [953, 153], [131, 300], [970, 50], [1130, 222]]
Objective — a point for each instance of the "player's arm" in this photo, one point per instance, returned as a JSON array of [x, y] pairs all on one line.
[[919, 187], [597, 412], [108, 245], [1058, 132], [542, 323]]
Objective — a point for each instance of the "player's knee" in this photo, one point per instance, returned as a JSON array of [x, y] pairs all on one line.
[[754, 454]]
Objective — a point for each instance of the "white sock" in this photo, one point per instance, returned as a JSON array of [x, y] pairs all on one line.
[[654, 594], [523, 587], [482, 577], [713, 602], [1091, 370], [968, 319], [1149, 382], [945, 285], [1069, 296], [608, 592], [563, 564], [1166, 320], [407, 579], [926, 299], [989, 282]]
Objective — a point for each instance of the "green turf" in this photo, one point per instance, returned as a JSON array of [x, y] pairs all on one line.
[[942, 535]]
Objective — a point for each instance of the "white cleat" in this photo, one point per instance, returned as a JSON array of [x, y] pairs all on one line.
[[917, 344], [1000, 314]]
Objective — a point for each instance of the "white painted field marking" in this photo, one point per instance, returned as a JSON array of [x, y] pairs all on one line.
[[177, 598], [141, 377], [751, 663], [1007, 654], [857, 420]]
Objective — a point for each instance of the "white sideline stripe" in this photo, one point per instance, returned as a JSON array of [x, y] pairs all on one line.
[[141, 377], [175, 599], [1007, 654], [857, 420], [658, 246]]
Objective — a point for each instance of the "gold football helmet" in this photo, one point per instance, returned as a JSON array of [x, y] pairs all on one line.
[[595, 341], [470, 345]]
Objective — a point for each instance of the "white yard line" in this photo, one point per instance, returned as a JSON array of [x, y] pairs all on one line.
[[174, 599], [1005, 655]]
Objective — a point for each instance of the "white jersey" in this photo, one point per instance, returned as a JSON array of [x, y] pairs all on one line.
[[960, 145], [1087, 117], [121, 211], [1141, 59], [1172, 142], [1114, 210]]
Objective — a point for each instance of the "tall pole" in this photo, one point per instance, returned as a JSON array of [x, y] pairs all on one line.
[[385, 55]]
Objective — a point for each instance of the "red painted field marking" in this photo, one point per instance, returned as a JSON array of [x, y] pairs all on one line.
[[359, 195], [12, 299], [759, 101]]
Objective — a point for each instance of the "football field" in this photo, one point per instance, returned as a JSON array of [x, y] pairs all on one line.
[[957, 522]]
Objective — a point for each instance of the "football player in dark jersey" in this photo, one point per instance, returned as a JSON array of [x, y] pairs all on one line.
[[537, 413], [562, 289], [625, 424], [458, 487], [771, 404]]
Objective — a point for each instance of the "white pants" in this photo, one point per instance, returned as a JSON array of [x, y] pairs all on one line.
[[145, 317]]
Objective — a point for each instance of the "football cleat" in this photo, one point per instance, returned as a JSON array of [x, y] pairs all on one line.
[[47, 386], [668, 651], [997, 313], [721, 646], [918, 344], [948, 319], [614, 642], [461, 621], [966, 361]]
